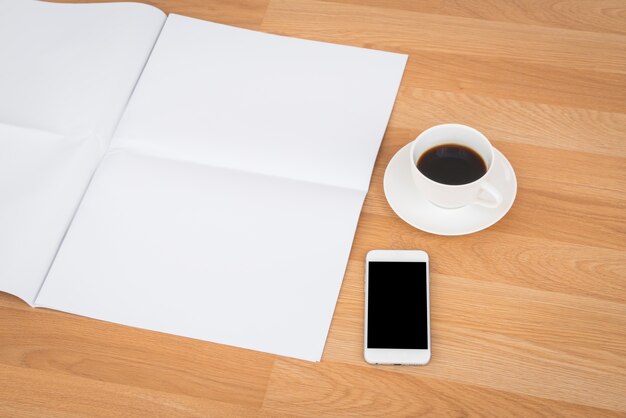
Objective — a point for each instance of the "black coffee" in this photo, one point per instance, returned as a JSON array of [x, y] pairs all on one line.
[[451, 164]]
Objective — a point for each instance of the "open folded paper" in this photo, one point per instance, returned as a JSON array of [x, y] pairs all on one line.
[[214, 195]]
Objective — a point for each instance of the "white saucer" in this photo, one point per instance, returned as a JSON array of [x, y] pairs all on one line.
[[410, 205]]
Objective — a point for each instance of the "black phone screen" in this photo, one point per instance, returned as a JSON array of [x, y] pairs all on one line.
[[397, 314]]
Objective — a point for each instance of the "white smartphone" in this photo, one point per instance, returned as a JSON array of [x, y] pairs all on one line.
[[397, 307]]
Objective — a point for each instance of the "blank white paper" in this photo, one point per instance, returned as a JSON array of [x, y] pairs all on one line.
[[226, 206], [270, 104], [66, 74], [212, 253]]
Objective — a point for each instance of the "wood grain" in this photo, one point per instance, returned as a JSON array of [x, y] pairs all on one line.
[[519, 80], [71, 345], [36, 393], [412, 32], [337, 389], [591, 15], [528, 316]]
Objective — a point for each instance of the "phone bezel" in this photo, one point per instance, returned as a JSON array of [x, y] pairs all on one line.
[[395, 355]]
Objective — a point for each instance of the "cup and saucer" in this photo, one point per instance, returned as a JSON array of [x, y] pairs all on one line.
[[450, 207]]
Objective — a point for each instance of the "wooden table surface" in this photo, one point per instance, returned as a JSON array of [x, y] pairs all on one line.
[[528, 317]]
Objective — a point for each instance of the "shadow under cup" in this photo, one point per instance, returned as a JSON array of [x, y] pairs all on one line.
[[451, 196]]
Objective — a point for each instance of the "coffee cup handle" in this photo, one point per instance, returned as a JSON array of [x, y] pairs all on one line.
[[495, 198]]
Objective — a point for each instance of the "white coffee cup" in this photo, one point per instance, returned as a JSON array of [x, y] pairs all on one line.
[[451, 196]]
